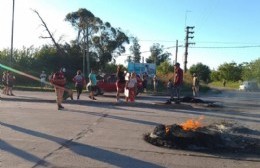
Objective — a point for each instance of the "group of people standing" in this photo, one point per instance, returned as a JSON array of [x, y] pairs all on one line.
[[126, 83], [175, 86], [8, 82], [58, 80]]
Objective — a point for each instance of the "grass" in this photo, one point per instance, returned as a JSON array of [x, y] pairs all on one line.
[[229, 85], [33, 88]]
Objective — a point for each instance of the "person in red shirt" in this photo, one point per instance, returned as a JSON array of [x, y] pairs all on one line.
[[178, 81], [58, 80]]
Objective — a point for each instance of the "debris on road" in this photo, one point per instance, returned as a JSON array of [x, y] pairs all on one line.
[[218, 137]]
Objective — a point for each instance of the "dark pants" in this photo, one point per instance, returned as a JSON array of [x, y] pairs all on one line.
[[79, 90], [176, 90]]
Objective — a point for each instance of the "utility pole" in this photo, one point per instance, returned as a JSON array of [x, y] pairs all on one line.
[[84, 55], [176, 53], [187, 43], [12, 36], [87, 53]]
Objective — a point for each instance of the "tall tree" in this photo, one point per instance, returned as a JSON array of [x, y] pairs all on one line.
[[100, 39], [251, 71], [128, 59], [157, 54], [135, 50], [215, 76], [230, 71], [58, 47], [165, 67], [87, 24], [203, 71], [108, 43]]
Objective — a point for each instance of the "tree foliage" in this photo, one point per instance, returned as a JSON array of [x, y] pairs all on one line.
[[108, 44], [251, 71], [215, 76], [84, 22], [110, 68], [203, 71], [103, 41], [165, 68], [157, 54], [135, 51], [230, 71], [104, 44]]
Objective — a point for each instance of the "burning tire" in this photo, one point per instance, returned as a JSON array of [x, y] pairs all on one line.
[[223, 137]]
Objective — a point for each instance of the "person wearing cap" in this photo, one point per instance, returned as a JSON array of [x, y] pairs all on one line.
[[195, 85], [178, 81]]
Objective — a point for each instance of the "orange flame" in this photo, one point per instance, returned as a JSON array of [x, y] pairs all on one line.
[[167, 129], [192, 124]]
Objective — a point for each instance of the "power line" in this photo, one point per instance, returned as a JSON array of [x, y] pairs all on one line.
[[164, 48], [220, 42], [199, 42], [222, 47], [165, 41], [202, 47]]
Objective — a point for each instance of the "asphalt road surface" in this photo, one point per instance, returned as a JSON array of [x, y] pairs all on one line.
[[104, 133]]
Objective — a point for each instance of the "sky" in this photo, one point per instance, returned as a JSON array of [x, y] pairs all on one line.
[[225, 30]]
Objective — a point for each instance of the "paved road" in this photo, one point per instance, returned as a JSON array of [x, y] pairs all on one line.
[[104, 133]]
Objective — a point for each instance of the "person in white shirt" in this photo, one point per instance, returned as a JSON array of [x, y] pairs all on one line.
[[43, 79], [131, 86], [195, 85]]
